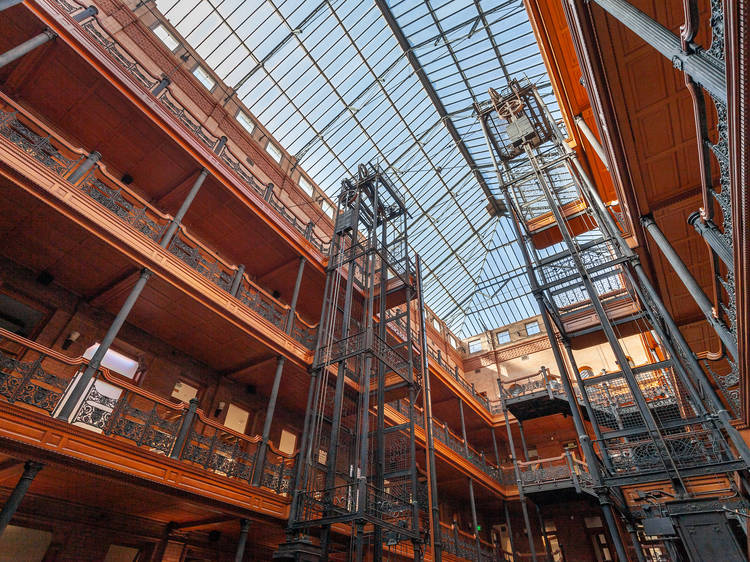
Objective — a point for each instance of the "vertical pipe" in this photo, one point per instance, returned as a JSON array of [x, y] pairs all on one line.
[[510, 529], [494, 446], [614, 532], [182, 435], [693, 287], [474, 518], [523, 441], [545, 538], [26, 47], [237, 281], [93, 365], [242, 541], [432, 482], [636, 543], [30, 470], [463, 426], [295, 296]]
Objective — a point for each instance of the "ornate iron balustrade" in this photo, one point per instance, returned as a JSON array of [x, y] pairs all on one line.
[[39, 377], [32, 374], [565, 470], [443, 434], [164, 96], [540, 381], [463, 545], [57, 155]]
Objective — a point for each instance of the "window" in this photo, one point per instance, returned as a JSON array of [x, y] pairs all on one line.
[[204, 77], [436, 323], [586, 372], [287, 442], [274, 151], [23, 543], [184, 392], [18, 317], [244, 120], [327, 208], [533, 453], [166, 37], [236, 418], [306, 186], [532, 328], [452, 340], [114, 361], [503, 337], [475, 346]]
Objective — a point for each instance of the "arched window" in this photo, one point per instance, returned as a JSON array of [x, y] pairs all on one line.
[[586, 372]]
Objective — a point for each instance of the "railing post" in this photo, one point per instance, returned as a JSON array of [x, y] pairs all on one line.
[[573, 473], [85, 166], [269, 191], [30, 470], [182, 434], [463, 426]]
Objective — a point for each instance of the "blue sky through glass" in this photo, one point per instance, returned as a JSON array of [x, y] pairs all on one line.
[[330, 81]]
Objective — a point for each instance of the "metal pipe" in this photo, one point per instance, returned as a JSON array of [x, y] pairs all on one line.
[[609, 517], [26, 47], [95, 362], [713, 237], [187, 421], [545, 538], [636, 543], [510, 530], [699, 65], [240, 552], [463, 426], [30, 470], [593, 141], [691, 284], [427, 403], [474, 521], [237, 280]]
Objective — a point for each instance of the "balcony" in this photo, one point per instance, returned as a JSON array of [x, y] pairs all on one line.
[[38, 379], [276, 200], [443, 434], [554, 474], [57, 155]]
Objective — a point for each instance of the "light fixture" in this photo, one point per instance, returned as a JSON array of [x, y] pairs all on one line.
[[72, 337]]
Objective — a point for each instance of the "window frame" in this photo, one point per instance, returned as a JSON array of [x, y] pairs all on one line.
[[160, 26], [505, 333], [472, 346], [244, 120], [274, 152], [534, 323]]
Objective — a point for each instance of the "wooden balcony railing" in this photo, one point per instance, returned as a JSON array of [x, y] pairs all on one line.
[[52, 151], [38, 378], [190, 123]]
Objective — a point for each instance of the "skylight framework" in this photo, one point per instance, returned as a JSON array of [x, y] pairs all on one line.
[[335, 86]]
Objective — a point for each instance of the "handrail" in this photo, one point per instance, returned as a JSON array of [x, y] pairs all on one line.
[[192, 124], [142, 417], [127, 205]]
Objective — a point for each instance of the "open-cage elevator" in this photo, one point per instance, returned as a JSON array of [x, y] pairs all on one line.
[[658, 422], [358, 469]]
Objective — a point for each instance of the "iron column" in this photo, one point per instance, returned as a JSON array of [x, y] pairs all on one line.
[[691, 284], [271, 408], [26, 47], [433, 495], [114, 329], [242, 541], [474, 517], [713, 237], [30, 470]]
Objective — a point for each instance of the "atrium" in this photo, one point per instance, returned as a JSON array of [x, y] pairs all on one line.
[[374, 280]]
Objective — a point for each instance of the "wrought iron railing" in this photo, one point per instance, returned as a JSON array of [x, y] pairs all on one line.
[[442, 433], [463, 545], [40, 378], [59, 156], [564, 470], [163, 95]]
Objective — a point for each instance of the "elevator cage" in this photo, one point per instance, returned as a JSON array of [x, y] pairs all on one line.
[[358, 467]]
